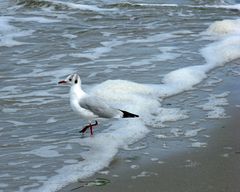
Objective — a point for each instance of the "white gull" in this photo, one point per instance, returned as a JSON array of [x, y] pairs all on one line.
[[90, 107]]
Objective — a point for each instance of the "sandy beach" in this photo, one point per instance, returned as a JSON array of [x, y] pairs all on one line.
[[214, 168]]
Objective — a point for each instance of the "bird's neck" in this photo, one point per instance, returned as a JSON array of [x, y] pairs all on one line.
[[76, 92]]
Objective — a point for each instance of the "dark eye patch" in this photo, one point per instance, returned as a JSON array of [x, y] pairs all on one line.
[[76, 81], [70, 79]]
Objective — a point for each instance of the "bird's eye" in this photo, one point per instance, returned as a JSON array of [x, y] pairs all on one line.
[[76, 81], [70, 79]]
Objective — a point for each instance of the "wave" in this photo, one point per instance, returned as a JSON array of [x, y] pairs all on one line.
[[9, 33], [63, 5], [145, 100], [59, 5], [136, 5]]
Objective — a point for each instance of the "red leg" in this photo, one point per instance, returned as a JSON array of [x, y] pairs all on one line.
[[91, 129], [93, 125]]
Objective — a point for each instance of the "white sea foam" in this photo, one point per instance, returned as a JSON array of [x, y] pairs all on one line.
[[176, 132], [103, 147], [98, 52], [46, 152], [78, 6], [104, 172], [134, 166], [51, 120], [199, 144], [107, 46], [37, 19], [153, 38], [193, 132], [161, 136], [9, 32], [9, 110], [225, 27], [165, 54], [233, 7], [3, 185], [40, 178], [17, 123], [145, 101], [154, 159], [158, 5], [144, 174], [27, 187], [213, 81], [215, 105]]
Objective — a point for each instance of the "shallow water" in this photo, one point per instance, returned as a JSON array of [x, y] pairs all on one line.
[[147, 42]]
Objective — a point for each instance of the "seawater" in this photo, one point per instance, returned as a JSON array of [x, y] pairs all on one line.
[[133, 54]]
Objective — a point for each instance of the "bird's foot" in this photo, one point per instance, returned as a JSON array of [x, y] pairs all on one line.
[[96, 123], [90, 126]]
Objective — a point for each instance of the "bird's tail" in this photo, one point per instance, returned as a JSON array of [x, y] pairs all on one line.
[[128, 115]]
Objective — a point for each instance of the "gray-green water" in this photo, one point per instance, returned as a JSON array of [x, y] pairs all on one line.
[[42, 42]]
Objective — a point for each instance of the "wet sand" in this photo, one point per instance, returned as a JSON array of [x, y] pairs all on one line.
[[214, 168]]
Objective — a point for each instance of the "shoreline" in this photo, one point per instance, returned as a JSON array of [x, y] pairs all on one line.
[[215, 167]]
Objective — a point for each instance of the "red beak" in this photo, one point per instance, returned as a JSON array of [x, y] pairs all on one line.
[[62, 82]]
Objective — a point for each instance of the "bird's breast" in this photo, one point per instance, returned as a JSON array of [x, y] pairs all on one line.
[[83, 113]]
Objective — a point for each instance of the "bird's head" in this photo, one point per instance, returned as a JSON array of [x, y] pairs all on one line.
[[73, 79]]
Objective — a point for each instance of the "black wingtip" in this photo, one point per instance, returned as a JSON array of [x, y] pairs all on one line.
[[128, 115]]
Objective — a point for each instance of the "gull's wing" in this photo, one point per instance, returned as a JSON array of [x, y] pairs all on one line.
[[99, 108]]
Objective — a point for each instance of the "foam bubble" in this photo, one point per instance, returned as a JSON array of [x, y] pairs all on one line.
[[199, 144], [134, 166], [144, 174], [161, 136], [104, 172], [51, 120], [224, 27], [154, 159], [215, 105], [193, 132]]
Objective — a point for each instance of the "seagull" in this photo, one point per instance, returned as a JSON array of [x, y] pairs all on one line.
[[90, 107]]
